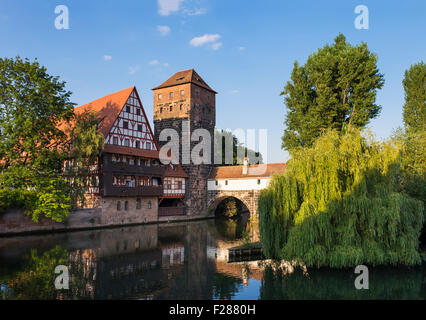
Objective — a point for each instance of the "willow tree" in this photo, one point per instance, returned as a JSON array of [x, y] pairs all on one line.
[[335, 88], [340, 203]]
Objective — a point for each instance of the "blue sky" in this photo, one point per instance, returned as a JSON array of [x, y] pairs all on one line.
[[112, 45]]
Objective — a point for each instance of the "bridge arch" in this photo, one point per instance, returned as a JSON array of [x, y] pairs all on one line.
[[248, 197]]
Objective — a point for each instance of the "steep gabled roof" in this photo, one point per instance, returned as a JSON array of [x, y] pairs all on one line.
[[185, 76], [107, 108], [254, 171]]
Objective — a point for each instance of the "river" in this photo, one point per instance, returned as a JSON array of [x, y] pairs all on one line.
[[178, 261]]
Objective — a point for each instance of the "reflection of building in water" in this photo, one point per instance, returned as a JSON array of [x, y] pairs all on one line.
[[172, 255]]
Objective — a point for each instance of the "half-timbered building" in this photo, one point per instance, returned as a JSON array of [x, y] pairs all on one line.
[[129, 175]]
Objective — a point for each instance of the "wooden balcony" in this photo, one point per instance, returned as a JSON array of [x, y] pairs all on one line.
[[140, 191], [134, 169], [171, 211]]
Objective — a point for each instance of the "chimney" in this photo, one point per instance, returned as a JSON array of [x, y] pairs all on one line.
[[245, 165]]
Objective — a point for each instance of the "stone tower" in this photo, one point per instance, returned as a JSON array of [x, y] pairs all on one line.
[[185, 103]]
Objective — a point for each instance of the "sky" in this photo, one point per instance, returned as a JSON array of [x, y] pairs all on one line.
[[245, 50]]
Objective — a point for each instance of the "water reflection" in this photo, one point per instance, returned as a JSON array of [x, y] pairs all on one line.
[[177, 261]]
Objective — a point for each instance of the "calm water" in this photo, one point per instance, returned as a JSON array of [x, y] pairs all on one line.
[[177, 261]]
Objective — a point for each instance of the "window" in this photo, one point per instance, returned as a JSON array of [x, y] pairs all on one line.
[[149, 204], [138, 203], [258, 181], [171, 108], [179, 185], [125, 124], [118, 205], [160, 96], [182, 92], [171, 95], [138, 111], [138, 144], [161, 110], [148, 145], [127, 142], [126, 205], [217, 182], [181, 107], [128, 109], [115, 140], [139, 127], [226, 182]]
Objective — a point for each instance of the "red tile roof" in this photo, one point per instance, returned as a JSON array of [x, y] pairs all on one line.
[[254, 171], [179, 173], [107, 108], [185, 76]]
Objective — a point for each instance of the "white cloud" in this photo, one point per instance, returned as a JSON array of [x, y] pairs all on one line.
[[164, 30], [242, 48], [165, 64], [207, 38], [133, 70], [195, 12], [154, 62], [166, 7], [235, 91], [216, 45], [107, 58]]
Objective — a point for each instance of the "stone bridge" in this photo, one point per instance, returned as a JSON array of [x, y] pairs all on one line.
[[248, 197]]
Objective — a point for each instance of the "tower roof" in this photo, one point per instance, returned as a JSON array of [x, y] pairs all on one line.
[[185, 76]]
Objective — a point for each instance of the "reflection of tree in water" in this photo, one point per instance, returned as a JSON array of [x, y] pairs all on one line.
[[37, 279], [225, 287], [384, 283], [232, 229]]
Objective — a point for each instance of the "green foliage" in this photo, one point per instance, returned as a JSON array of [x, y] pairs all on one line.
[[230, 207], [415, 97], [37, 123], [341, 203], [239, 151], [335, 88], [37, 281]]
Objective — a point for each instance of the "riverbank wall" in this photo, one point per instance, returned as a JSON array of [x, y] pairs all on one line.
[[15, 222]]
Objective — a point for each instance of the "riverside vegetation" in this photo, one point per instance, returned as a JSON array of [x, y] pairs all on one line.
[[347, 199]]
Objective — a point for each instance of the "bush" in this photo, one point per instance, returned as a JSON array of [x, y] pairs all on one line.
[[342, 203]]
